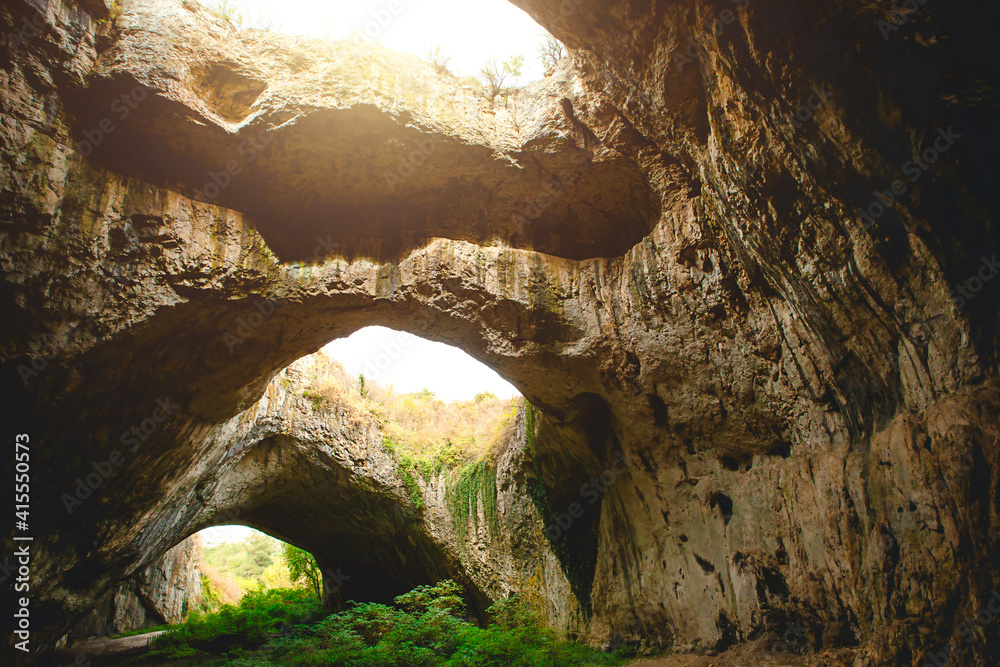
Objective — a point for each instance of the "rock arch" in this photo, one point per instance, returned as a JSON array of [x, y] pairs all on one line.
[[707, 291]]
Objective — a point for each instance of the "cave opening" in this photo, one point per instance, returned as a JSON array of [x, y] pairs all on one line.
[[459, 39], [369, 428]]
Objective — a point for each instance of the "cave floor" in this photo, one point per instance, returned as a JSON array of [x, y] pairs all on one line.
[[753, 654]]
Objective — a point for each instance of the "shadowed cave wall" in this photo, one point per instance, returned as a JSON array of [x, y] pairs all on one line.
[[807, 392]]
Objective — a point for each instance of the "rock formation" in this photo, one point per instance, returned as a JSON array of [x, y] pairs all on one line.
[[162, 593], [750, 245]]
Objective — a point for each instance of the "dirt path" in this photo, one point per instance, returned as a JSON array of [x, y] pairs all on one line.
[[109, 647], [753, 654]]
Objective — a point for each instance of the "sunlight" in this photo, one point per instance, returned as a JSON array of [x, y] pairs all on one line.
[[411, 364], [469, 34]]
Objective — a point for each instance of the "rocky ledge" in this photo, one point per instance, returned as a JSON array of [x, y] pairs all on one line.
[[751, 246]]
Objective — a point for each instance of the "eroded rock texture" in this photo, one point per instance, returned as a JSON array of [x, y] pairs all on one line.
[[162, 593], [661, 246]]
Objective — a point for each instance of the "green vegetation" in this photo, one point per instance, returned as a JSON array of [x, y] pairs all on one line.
[[302, 567], [315, 398], [248, 558], [495, 74], [423, 433], [227, 11], [235, 629], [425, 627], [233, 568], [476, 482]]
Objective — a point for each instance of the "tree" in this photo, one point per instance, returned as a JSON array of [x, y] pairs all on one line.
[[302, 568], [260, 550], [551, 52], [439, 60], [228, 12], [496, 74]]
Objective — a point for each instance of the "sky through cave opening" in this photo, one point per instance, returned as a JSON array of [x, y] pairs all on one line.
[[435, 402], [468, 35]]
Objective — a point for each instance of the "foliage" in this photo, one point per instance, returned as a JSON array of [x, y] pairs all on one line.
[[496, 74], [425, 434], [438, 59], [550, 52], [513, 66], [248, 558], [232, 568], [302, 567], [445, 597], [265, 22], [425, 627], [227, 11], [250, 624], [317, 399], [475, 483]]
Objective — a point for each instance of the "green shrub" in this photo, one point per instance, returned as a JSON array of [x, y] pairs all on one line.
[[247, 625], [425, 627]]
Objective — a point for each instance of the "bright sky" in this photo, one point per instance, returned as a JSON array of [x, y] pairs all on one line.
[[216, 535], [469, 31], [409, 363]]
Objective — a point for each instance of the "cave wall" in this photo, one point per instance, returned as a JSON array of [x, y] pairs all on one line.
[[809, 393], [162, 593]]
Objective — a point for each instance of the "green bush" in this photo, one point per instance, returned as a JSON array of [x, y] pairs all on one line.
[[248, 625], [425, 627]]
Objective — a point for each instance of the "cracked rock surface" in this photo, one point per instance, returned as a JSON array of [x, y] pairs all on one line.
[[806, 393]]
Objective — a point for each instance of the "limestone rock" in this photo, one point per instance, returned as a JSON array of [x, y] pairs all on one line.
[[804, 383]]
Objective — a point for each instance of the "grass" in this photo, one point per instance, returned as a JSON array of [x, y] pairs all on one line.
[[425, 434], [424, 627]]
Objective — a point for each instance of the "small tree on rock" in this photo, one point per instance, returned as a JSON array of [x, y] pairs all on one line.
[[551, 52]]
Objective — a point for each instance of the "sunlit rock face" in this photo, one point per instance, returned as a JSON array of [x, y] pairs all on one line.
[[806, 394]]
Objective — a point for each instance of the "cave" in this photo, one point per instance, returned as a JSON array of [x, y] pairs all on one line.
[[739, 258]]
